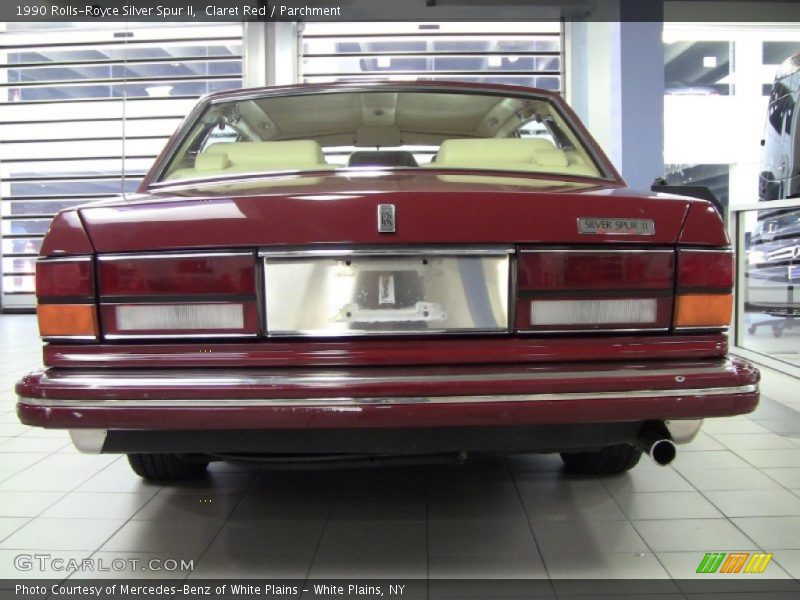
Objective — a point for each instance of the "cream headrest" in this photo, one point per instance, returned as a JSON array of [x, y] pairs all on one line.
[[211, 162], [502, 150], [294, 153]]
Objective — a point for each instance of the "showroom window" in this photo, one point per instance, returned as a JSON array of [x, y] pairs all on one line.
[[527, 54], [85, 110], [727, 101]]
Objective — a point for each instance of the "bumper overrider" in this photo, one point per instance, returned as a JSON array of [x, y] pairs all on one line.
[[393, 409]]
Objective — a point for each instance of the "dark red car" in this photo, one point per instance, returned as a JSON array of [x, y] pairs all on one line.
[[350, 272]]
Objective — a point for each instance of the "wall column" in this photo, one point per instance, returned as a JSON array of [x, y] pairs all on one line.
[[615, 82]]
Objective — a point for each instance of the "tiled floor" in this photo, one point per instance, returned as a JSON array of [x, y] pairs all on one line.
[[736, 488]]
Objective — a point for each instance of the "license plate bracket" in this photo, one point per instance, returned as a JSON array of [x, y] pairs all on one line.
[[384, 292]]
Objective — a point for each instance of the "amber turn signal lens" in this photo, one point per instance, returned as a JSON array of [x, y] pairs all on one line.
[[67, 320], [703, 310]]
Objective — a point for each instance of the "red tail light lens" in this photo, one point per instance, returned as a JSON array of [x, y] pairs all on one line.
[[704, 282], [587, 290], [177, 274], [705, 269], [59, 278], [65, 295], [179, 295], [595, 270]]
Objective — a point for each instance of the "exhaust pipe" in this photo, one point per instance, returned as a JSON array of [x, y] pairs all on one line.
[[656, 441]]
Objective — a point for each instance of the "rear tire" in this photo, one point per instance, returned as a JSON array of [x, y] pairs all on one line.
[[166, 467], [607, 461]]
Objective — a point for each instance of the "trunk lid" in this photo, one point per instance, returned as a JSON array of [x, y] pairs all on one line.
[[339, 210]]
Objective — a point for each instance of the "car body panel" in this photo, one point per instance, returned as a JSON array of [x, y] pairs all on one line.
[[585, 387]]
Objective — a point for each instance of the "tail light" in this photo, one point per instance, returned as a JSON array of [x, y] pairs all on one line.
[[65, 294], [594, 290], [704, 297], [179, 295]]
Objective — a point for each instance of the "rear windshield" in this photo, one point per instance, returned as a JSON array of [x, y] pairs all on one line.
[[381, 130]]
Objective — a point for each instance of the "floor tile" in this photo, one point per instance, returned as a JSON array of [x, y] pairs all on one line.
[[702, 442], [34, 480], [382, 504], [466, 537], [26, 504], [756, 503], [274, 506], [666, 505], [62, 534], [478, 502], [764, 459], [181, 537], [639, 479], [17, 461], [171, 504], [578, 564], [772, 533], [569, 501], [268, 537], [591, 536], [712, 459], [374, 538], [9, 525], [87, 505], [786, 476], [490, 565], [676, 535], [26, 444], [789, 560], [732, 425], [753, 441], [118, 479], [747, 478]]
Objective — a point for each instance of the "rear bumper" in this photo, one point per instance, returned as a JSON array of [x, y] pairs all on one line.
[[397, 397]]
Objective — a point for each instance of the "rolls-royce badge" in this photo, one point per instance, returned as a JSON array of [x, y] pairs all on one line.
[[386, 218]]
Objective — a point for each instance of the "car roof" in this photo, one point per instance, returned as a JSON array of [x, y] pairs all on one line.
[[382, 85]]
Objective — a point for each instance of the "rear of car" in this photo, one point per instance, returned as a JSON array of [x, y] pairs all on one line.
[[449, 292]]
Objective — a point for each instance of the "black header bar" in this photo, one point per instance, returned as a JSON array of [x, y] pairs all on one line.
[[400, 10]]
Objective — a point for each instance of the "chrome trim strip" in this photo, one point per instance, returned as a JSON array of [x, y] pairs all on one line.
[[144, 255], [384, 334], [726, 249], [634, 330], [357, 402], [186, 377], [61, 338], [702, 328], [169, 336], [390, 251], [596, 250], [54, 259]]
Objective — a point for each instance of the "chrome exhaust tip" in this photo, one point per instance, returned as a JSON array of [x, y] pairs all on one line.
[[656, 441], [663, 452]]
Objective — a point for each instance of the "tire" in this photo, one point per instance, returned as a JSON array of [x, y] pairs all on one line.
[[607, 461], [166, 467]]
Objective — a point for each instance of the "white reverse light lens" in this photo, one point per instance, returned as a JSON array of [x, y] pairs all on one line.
[[180, 317], [592, 312]]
